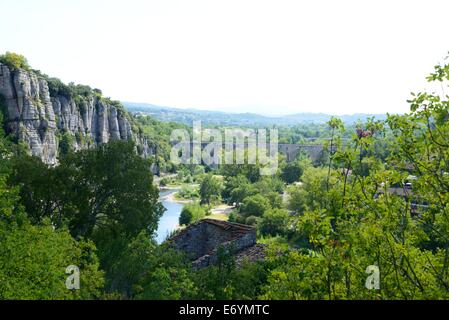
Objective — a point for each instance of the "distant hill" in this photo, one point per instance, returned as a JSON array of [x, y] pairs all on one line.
[[212, 118]]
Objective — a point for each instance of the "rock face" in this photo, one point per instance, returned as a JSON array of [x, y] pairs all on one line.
[[39, 121]]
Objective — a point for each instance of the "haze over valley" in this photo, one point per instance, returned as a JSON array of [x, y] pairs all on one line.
[[217, 118]]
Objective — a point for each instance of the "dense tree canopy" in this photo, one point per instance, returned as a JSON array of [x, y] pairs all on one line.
[[33, 262], [380, 199], [191, 213], [14, 60], [210, 189]]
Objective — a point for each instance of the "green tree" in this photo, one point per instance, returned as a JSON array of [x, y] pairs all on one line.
[[191, 213], [93, 194], [297, 197], [145, 270], [14, 60], [101, 191], [33, 259], [9, 196], [210, 189], [252, 220], [238, 188], [275, 200], [225, 281], [66, 143], [274, 222], [269, 184], [92, 190], [335, 124], [367, 215], [33, 262], [291, 172], [250, 171], [40, 189], [255, 205]]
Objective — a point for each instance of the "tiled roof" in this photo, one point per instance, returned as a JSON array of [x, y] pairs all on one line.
[[203, 239], [252, 254], [237, 229]]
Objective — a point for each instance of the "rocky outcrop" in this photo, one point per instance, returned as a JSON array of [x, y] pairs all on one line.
[[39, 120]]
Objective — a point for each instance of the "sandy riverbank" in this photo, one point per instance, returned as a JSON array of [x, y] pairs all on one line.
[[219, 212], [171, 197]]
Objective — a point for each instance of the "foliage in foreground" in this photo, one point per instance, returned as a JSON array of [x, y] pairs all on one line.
[[380, 199]]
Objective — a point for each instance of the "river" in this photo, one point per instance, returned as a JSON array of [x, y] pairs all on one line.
[[170, 219]]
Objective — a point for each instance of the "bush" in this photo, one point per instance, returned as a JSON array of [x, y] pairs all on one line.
[[14, 61], [297, 199], [238, 194], [3, 110], [210, 189], [33, 260], [188, 192], [255, 205], [191, 214], [66, 143], [164, 182], [252, 220], [240, 219], [291, 172], [186, 217], [181, 175], [274, 199], [233, 217], [57, 88], [269, 184], [188, 179], [198, 171], [274, 222]]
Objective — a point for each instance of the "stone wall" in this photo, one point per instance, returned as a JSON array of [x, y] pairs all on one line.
[[202, 241]]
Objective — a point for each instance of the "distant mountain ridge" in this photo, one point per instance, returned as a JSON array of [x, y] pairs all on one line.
[[187, 116]]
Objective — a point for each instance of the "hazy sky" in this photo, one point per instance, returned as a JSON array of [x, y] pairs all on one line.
[[270, 57]]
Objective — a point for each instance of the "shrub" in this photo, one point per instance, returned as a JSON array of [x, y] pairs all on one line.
[[14, 61], [255, 205], [3, 110], [199, 170], [233, 216], [188, 192], [297, 199], [66, 143], [210, 189], [164, 182], [274, 199], [269, 184], [57, 88], [252, 220], [274, 222], [240, 219], [291, 172], [191, 214]]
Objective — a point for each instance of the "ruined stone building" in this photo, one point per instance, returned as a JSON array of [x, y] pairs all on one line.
[[202, 240]]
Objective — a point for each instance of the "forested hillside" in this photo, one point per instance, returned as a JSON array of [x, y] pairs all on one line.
[[379, 196], [217, 118]]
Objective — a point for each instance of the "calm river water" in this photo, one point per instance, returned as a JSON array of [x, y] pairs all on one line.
[[170, 220]]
